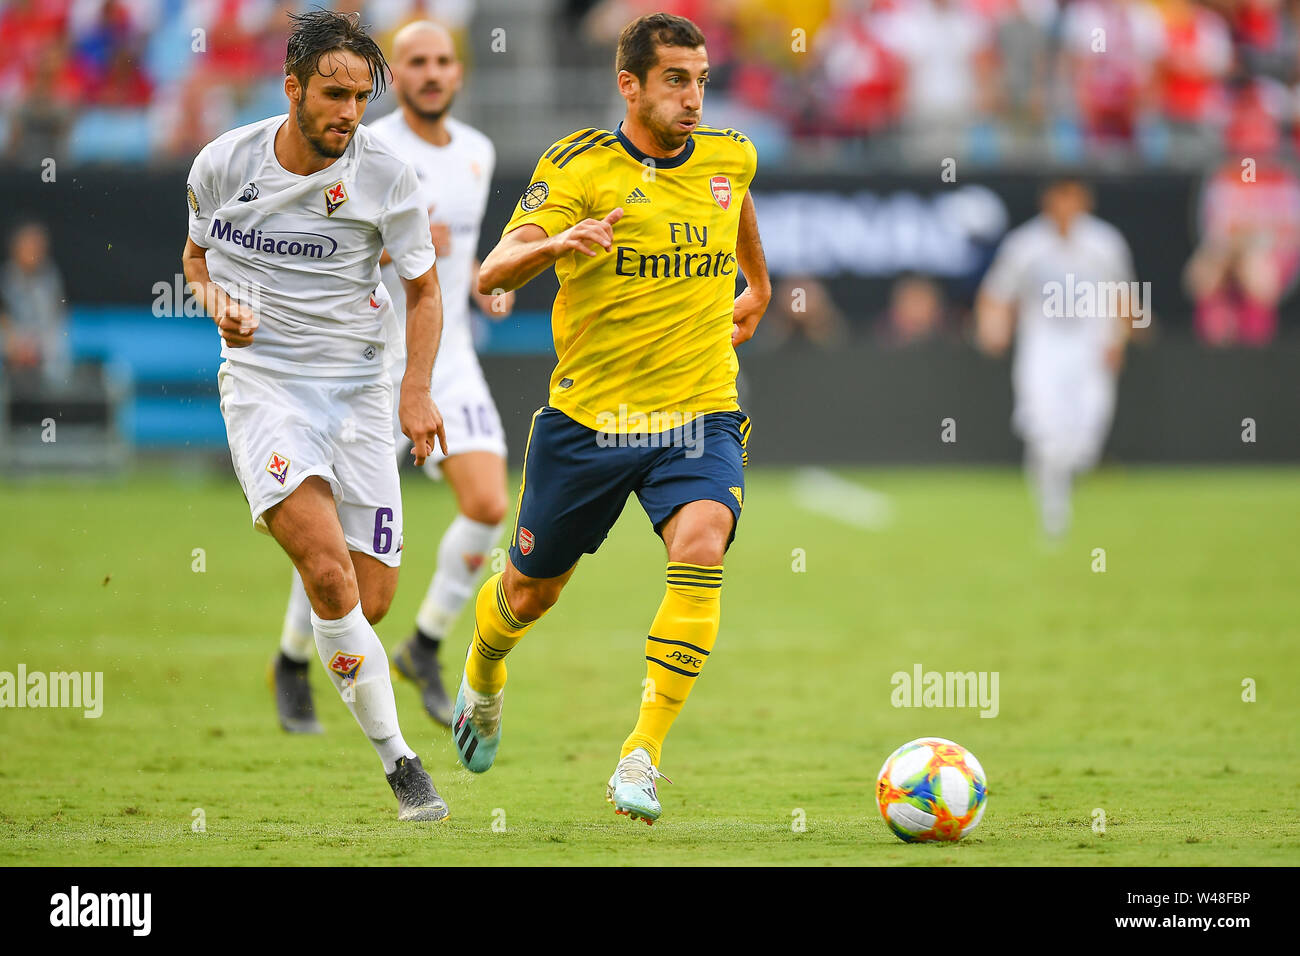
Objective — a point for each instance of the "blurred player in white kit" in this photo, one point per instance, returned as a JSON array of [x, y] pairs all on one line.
[[287, 221], [454, 163], [1049, 288]]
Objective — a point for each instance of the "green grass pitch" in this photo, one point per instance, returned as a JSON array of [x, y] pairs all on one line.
[[1120, 691]]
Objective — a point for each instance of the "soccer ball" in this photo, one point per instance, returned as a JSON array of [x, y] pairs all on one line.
[[931, 789]]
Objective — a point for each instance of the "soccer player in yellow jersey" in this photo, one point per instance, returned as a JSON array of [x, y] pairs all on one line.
[[646, 226]]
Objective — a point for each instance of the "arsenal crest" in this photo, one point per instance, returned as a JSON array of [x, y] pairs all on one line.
[[721, 187], [525, 541]]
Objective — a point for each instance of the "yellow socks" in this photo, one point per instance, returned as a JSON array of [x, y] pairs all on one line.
[[679, 643], [496, 632]]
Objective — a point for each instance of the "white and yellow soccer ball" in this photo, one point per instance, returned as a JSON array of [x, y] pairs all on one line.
[[931, 789]]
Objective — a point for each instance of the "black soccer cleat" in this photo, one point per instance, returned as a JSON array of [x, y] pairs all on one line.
[[419, 664], [416, 797], [293, 696]]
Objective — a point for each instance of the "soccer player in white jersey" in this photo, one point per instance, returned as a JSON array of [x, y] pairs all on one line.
[[1048, 288], [288, 218], [454, 164]]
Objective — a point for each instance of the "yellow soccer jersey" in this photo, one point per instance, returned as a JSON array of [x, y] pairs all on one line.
[[643, 332]]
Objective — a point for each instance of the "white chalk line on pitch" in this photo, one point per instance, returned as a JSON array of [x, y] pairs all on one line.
[[825, 493]]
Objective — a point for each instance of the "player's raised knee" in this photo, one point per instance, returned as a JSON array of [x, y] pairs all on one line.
[[707, 547], [700, 542], [699, 533], [485, 508], [332, 585]]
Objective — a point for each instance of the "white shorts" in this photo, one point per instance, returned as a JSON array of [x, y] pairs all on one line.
[[1065, 414], [469, 415], [285, 428]]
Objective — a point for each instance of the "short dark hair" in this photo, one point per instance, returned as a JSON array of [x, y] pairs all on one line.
[[23, 225], [1064, 180], [322, 31], [637, 42]]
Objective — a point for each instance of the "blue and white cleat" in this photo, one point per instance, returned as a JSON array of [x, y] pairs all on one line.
[[632, 787], [476, 726]]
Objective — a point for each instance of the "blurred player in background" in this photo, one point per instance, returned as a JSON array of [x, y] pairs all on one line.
[[645, 227], [288, 217], [1068, 354], [33, 310], [454, 163]]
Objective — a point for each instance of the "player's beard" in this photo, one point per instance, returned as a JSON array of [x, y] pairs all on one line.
[[317, 142], [430, 116], [663, 133]]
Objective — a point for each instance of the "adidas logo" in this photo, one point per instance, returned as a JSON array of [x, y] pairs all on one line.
[[636, 195]]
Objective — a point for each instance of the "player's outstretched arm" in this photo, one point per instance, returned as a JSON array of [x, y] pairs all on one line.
[[420, 418], [751, 303], [995, 320], [497, 304], [236, 322], [528, 251], [1124, 323]]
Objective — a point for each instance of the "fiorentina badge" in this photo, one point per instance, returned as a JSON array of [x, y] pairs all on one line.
[[278, 466], [346, 665], [336, 196]]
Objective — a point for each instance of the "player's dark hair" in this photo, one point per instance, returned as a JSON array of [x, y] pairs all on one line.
[[23, 225], [323, 31], [637, 42], [1056, 182]]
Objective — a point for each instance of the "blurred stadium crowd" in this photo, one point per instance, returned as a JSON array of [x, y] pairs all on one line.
[[133, 80], [1181, 86], [1149, 82], [1185, 114], [1125, 81]]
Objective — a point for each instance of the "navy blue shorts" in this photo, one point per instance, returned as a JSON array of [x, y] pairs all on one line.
[[576, 481]]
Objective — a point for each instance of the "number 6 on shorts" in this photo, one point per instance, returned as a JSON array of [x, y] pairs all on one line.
[[383, 533]]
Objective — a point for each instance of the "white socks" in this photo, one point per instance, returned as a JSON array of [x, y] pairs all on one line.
[[1052, 481], [356, 662], [297, 639], [461, 554]]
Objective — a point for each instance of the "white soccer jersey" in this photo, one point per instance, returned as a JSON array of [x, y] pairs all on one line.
[[303, 251], [454, 184], [1046, 277]]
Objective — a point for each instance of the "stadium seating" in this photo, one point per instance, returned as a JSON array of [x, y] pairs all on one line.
[[110, 135]]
